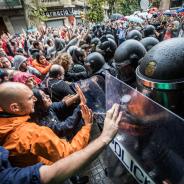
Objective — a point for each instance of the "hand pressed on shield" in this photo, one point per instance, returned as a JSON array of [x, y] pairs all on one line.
[[71, 99], [80, 93], [112, 120], [86, 114]]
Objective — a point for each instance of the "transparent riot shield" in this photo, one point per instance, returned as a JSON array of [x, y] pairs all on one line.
[[150, 141], [94, 91]]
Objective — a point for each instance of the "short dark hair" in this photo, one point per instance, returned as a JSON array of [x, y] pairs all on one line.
[[36, 44]]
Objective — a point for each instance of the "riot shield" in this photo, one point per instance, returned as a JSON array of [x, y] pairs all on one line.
[[94, 91], [150, 140]]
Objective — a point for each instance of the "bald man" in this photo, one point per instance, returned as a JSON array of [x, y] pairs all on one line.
[[59, 171], [57, 71], [30, 143], [55, 86]]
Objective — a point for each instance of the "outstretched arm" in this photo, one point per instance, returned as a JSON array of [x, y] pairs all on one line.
[[66, 167]]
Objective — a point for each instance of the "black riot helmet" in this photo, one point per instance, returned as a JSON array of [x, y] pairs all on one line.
[[95, 41], [149, 30], [88, 39], [149, 42], [126, 58], [108, 47], [160, 74], [110, 36], [94, 62], [134, 34], [78, 56], [71, 49]]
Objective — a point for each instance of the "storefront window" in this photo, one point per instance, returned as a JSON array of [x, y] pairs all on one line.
[[176, 3]]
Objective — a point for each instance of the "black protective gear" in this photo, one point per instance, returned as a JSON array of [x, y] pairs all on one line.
[[108, 47], [71, 49], [95, 64], [95, 41], [149, 42], [77, 55], [134, 34], [160, 74], [126, 58], [95, 61], [110, 36], [149, 30]]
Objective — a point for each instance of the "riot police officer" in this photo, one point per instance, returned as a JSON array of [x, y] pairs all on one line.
[[96, 65], [149, 42], [126, 58], [149, 30], [134, 34], [160, 74]]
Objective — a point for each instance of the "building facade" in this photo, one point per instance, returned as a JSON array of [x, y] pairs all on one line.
[[169, 4], [63, 12], [12, 17], [176, 3]]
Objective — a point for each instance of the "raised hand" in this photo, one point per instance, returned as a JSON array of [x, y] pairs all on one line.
[[81, 95], [71, 99], [112, 120], [86, 114]]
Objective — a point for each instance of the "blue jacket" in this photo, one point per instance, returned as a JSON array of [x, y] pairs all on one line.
[[15, 175]]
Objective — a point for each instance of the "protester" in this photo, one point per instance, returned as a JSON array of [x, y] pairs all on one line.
[[51, 114], [5, 63], [55, 86], [62, 169], [21, 63], [27, 142], [41, 64], [28, 79]]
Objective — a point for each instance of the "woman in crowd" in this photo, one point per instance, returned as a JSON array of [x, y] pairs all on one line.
[[53, 115], [28, 79], [73, 72], [21, 63], [41, 64]]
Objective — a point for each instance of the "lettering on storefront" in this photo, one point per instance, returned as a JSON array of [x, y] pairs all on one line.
[[63, 12], [49, 1], [130, 163]]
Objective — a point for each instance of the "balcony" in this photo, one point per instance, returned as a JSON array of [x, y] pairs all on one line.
[[10, 4], [79, 2], [55, 3]]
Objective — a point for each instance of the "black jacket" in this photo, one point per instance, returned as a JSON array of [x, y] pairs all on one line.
[[55, 119], [76, 73], [57, 89]]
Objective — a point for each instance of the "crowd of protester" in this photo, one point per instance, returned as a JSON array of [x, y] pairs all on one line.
[[44, 120]]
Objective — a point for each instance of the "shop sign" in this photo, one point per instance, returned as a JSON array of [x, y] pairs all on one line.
[[63, 12]]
